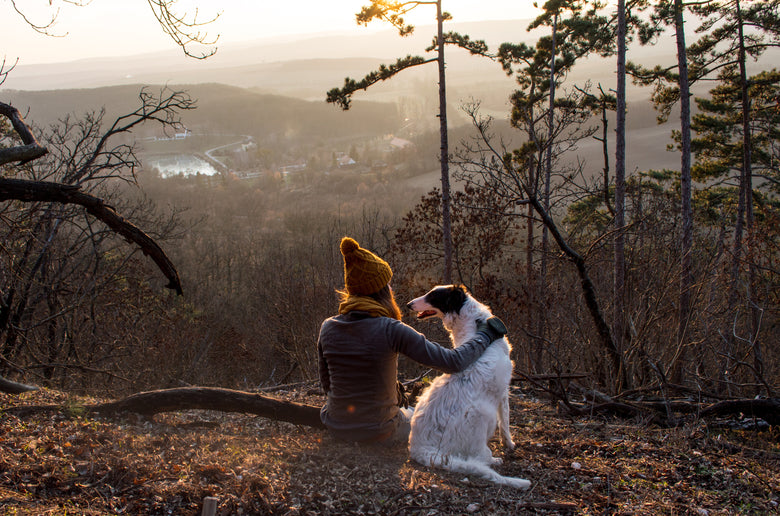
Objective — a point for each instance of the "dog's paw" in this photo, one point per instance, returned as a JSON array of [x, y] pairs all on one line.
[[495, 461], [509, 444]]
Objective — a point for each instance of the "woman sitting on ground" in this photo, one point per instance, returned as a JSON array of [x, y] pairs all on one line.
[[358, 353]]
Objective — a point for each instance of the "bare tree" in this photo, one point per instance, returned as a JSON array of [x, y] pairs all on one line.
[[503, 172], [184, 30], [575, 29], [47, 243], [724, 44]]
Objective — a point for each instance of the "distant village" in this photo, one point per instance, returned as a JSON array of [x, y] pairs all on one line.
[[238, 159]]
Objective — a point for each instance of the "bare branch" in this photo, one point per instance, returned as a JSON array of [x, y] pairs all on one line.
[[30, 150], [5, 71], [30, 191], [181, 30], [40, 28]]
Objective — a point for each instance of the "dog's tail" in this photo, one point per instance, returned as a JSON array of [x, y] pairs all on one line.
[[429, 457]]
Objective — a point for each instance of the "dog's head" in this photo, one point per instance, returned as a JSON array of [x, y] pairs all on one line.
[[457, 309], [439, 302]]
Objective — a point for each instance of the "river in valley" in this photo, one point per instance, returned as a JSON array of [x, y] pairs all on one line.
[[180, 164]]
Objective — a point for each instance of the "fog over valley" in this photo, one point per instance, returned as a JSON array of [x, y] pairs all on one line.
[[275, 89]]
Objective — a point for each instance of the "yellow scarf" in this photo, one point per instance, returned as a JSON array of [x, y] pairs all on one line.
[[364, 304]]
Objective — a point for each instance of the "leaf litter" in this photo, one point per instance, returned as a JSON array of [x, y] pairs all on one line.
[[58, 463]]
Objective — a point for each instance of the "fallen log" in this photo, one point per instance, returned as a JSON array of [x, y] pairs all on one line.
[[228, 400], [767, 409], [11, 387], [196, 398], [613, 408], [658, 412]]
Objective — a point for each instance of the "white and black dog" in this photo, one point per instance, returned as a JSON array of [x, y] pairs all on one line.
[[457, 414]]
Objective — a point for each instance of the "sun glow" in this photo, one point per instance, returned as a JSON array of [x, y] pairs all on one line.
[[91, 30]]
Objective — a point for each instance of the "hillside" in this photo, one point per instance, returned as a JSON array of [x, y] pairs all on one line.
[[235, 110], [255, 63], [306, 66], [64, 463], [220, 108]]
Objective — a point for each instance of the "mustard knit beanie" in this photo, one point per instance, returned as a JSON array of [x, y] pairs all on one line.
[[364, 272]]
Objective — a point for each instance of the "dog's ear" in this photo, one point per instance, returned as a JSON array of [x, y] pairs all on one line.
[[456, 299]]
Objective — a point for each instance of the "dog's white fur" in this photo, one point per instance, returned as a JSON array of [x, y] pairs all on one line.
[[457, 414]]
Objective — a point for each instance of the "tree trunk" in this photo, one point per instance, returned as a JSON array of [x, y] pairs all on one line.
[[531, 280], [31, 150], [589, 293], [446, 222], [536, 353], [9, 387], [744, 208], [747, 167], [547, 179], [619, 297], [605, 152], [686, 275], [766, 409]]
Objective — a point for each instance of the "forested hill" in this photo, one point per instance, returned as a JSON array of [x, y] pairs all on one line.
[[220, 108]]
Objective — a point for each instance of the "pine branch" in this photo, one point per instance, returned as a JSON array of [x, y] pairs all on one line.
[[343, 97], [478, 47]]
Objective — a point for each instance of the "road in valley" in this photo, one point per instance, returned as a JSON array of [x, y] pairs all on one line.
[[210, 156]]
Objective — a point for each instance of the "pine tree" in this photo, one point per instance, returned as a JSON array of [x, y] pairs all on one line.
[[725, 44], [574, 31], [393, 12], [735, 31], [719, 161]]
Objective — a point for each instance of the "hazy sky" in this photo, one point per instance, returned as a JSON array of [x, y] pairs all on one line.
[[110, 28]]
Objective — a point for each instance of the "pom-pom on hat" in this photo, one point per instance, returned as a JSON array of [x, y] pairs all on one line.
[[364, 272]]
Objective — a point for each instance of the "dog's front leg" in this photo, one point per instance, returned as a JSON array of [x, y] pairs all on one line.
[[503, 422]]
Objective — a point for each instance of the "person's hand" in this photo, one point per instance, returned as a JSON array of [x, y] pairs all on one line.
[[494, 328]]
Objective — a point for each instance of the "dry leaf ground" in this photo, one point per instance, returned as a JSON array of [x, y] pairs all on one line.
[[64, 463]]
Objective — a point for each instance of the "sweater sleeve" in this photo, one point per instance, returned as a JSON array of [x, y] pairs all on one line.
[[414, 345]]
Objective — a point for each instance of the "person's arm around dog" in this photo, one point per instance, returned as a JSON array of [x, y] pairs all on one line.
[[415, 346]]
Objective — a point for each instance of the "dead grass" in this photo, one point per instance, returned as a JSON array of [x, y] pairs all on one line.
[[68, 464]]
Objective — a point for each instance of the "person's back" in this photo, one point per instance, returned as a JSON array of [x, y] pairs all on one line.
[[362, 401]]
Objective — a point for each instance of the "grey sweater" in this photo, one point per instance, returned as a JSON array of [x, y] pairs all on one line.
[[358, 365]]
